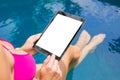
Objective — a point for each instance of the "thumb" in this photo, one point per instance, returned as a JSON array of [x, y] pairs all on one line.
[[46, 60]]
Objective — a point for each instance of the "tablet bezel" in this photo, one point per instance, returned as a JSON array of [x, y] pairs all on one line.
[[64, 14]]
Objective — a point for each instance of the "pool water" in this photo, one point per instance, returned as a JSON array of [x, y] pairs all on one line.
[[21, 18]]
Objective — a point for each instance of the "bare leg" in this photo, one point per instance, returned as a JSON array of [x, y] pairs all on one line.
[[96, 40], [75, 54]]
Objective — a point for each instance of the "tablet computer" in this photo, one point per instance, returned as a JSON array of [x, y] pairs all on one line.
[[59, 33]]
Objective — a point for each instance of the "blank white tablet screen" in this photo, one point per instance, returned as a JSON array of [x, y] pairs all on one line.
[[59, 33]]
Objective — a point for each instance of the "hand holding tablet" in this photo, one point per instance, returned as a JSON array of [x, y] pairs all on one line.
[[58, 35]]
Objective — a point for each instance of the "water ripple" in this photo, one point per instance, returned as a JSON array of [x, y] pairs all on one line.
[[97, 9], [114, 45], [55, 7], [6, 23]]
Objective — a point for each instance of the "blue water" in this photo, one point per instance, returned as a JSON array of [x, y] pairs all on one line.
[[21, 18]]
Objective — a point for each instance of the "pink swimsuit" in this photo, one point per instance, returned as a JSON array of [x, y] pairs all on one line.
[[24, 66]]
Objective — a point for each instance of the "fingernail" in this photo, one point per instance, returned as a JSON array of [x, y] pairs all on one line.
[[48, 56]]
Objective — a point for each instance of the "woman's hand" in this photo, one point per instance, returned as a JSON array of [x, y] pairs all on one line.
[[50, 69], [28, 45]]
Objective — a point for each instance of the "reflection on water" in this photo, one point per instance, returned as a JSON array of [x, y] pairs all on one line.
[[55, 6], [114, 45], [19, 13], [6, 23], [97, 9], [22, 18], [6, 29]]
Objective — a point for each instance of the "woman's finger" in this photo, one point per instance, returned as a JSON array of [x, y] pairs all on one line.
[[56, 71], [51, 62], [35, 37], [46, 60], [55, 67], [59, 71], [58, 76]]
